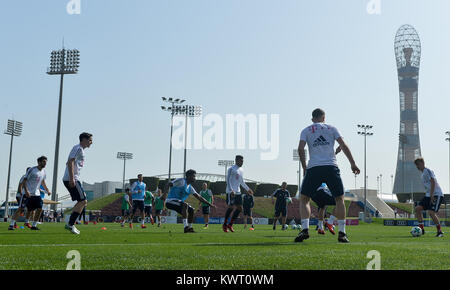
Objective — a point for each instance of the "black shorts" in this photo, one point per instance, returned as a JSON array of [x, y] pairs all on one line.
[[431, 204], [34, 202], [315, 176], [76, 193], [281, 211], [177, 205], [205, 209], [138, 204], [158, 211], [148, 210], [322, 199], [22, 201], [236, 200], [247, 211], [125, 212]]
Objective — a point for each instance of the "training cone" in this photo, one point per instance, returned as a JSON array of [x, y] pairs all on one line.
[[104, 228], [22, 227]]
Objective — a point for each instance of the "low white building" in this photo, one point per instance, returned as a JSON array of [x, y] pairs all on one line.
[[100, 189]]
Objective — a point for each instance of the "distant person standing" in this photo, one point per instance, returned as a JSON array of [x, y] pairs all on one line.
[[159, 206], [247, 204], [206, 193], [433, 197], [126, 205], [72, 179], [138, 195], [322, 168], [281, 195], [235, 179]]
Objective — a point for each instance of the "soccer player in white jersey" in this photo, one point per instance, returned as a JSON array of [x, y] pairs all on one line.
[[31, 184], [322, 168], [72, 179], [180, 189], [235, 178], [433, 197], [21, 201]]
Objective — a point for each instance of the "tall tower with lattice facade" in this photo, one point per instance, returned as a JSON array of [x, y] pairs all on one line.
[[407, 53]]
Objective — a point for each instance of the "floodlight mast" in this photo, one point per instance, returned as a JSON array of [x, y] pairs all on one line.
[[226, 164], [173, 110], [14, 129], [62, 62], [365, 133], [124, 156]]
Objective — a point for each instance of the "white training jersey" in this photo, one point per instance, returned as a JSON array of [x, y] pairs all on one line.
[[78, 154], [235, 178], [34, 179], [427, 174], [320, 138]]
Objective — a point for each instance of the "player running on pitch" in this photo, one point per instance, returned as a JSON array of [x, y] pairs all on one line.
[[235, 178], [322, 167], [31, 185], [180, 189], [323, 198], [21, 202], [248, 203], [72, 179], [281, 194], [138, 196], [433, 197]]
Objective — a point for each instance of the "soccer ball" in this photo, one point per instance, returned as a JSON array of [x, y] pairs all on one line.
[[288, 199], [416, 231], [294, 226]]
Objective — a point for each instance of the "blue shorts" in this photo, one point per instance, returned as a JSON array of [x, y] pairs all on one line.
[[315, 176]]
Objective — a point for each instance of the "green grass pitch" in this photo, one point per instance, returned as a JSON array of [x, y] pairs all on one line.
[[168, 248]]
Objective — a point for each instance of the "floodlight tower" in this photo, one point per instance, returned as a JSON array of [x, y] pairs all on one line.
[[365, 133], [174, 110], [62, 62], [225, 163], [14, 129], [296, 157], [407, 53], [124, 156], [189, 112]]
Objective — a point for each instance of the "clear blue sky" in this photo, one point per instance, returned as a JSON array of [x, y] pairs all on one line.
[[254, 56]]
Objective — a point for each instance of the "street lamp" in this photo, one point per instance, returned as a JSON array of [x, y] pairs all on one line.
[[364, 132], [225, 163], [189, 111], [296, 157], [62, 62], [14, 129], [174, 110], [124, 156]]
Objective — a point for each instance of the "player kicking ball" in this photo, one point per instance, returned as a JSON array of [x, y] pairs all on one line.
[[180, 189], [323, 198], [431, 202]]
